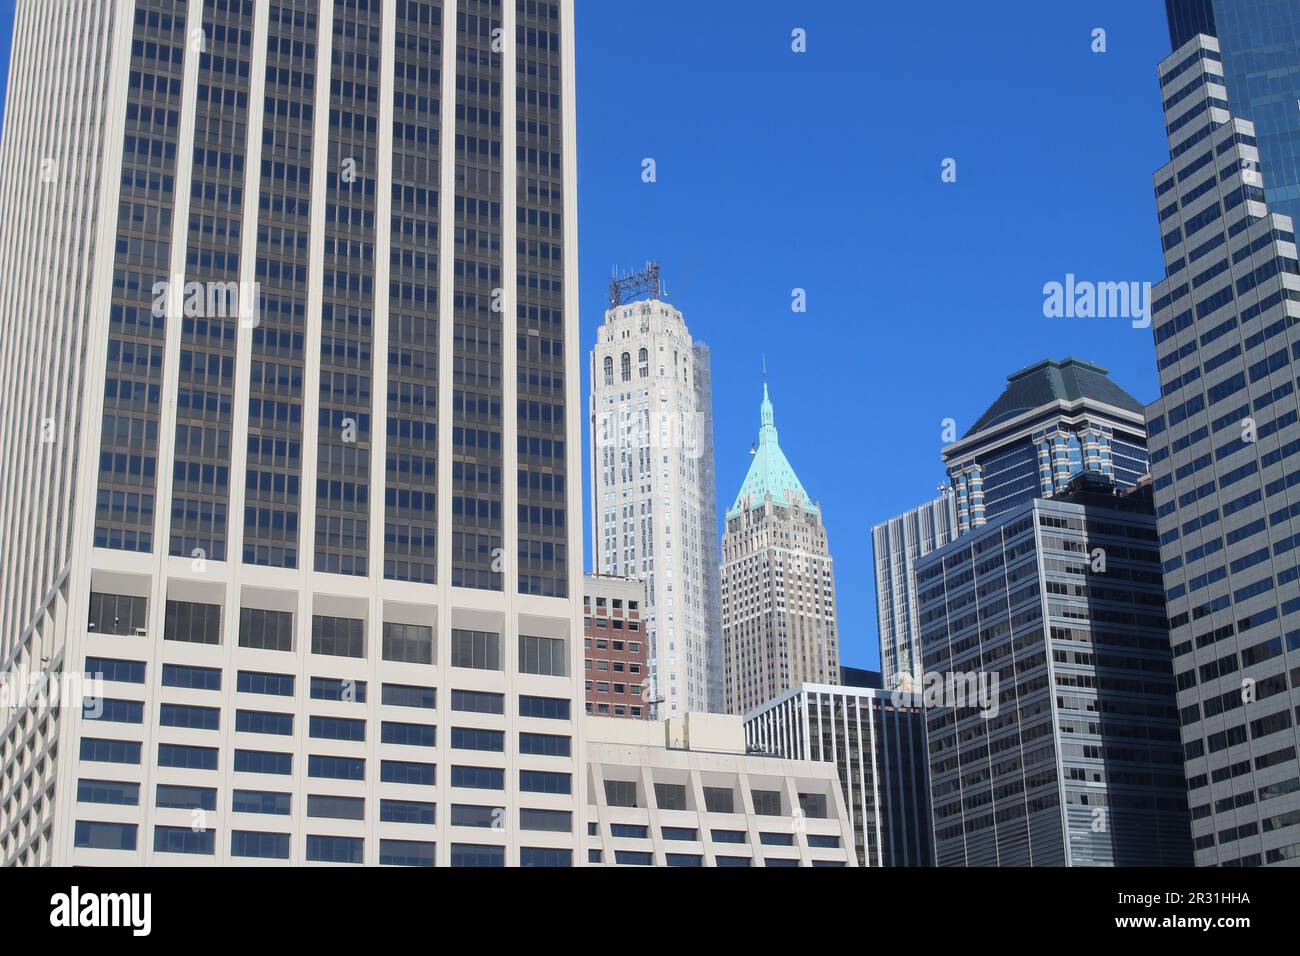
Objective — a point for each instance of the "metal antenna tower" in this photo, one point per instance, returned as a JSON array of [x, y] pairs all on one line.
[[648, 282]]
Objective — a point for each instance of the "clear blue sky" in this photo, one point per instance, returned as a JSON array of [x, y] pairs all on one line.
[[821, 170]]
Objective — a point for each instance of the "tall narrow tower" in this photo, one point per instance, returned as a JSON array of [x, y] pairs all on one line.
[[778, 583], [1225, 465], [652, 498], [289, 398]]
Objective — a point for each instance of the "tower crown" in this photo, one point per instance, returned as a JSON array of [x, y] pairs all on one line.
[[770, 472]]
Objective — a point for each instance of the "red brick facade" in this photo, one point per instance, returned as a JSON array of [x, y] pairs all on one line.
[[615, 648]]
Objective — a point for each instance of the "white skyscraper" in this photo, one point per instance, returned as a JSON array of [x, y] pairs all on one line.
[[288, 434], [652, 505]]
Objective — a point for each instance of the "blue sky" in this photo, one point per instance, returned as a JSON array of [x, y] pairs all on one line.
[[821, 171]]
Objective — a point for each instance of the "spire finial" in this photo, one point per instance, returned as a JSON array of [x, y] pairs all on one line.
[[767, 419]]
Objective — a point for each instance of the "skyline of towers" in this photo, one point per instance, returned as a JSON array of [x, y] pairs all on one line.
[[653, 514], [779, 624], [289, 535], [278, 516], [1225, 465]]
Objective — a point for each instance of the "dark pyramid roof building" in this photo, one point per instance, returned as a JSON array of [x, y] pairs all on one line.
[[1053, 420], [1069, 380]]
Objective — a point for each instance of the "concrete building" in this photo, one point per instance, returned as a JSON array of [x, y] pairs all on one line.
[[684, 792], [1048, 688], [876, 740], [614, 647], [1225, 464], [1052, 421], [895, 546], [653, 512], [779, 627], [319, 540]]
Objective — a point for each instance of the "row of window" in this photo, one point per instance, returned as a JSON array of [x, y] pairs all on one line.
[[646, 858], [321, 688], [640, 831], [274, 723], [99, 835], [327, 767], [673, 796], [269, 630]]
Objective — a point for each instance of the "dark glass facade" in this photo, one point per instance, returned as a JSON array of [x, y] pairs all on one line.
[[128, 462], [1188, 18], [1073, 757], [347, 308], [542, 481], [477, 558], [411, 464], [273, 480], [205, 394], [1260, 44]]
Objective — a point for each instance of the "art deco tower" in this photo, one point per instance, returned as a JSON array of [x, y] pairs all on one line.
[[652, 489], [778, 583]]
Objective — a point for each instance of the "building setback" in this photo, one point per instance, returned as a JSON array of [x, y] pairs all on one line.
[[653, 513], [684, 792], [895, 546], [1072, 757], [778, 583], [614, 646], [1225, 463], [877, 744], [319, 548]]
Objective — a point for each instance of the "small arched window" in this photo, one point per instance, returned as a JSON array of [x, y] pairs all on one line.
[[643, 363], [627, 367], [609, 370]]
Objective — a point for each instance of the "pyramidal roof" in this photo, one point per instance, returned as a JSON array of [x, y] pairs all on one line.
[[770, 472], [1051, 381]]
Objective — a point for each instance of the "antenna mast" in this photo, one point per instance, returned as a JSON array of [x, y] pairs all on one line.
[[648, 282]]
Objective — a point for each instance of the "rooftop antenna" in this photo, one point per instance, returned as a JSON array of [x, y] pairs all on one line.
[[648, 282]]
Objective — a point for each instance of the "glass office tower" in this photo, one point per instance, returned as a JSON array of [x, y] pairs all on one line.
[[1259, 41], [1070, 754]]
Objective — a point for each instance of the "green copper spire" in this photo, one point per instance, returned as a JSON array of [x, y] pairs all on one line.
[[770, 472]]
